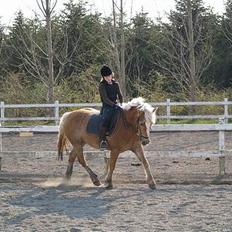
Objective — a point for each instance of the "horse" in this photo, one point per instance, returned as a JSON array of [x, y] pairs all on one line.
[[131, 132]]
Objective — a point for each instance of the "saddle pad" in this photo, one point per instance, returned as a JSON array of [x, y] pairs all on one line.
[[95, 122]]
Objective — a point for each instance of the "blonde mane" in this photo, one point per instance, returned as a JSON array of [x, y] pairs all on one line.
[[139, 103]]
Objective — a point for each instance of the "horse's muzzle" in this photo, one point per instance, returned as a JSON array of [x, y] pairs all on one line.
[[144, 140]]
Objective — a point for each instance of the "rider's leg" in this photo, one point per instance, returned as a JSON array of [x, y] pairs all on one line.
[[102, 138], [106, 113]]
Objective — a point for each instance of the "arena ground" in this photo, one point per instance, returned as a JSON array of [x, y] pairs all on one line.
[[190, 195]]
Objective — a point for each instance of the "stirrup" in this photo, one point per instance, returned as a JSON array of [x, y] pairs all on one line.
[[103, 145]]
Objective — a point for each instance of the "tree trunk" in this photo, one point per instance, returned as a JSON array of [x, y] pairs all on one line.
[[50, 53], [119, 47], [115, 43], [122, 50], [192, 61]]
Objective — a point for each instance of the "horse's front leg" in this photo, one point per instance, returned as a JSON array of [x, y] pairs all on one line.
[[69, 170], [138, 150], [112, 163]]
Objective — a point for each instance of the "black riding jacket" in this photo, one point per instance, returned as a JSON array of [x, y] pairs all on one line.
[[109, 93]]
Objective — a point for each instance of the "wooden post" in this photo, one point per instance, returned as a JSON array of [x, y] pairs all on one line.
[[57, 115], [222, 148], [168, 110], [226, 111]]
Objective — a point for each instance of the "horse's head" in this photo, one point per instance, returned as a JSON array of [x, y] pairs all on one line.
[[146, 118], [143, 116]]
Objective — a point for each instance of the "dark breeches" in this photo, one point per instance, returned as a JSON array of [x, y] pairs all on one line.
[[107, 113]]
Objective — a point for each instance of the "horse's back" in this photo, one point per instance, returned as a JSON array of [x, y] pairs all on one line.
[[84, 112], [77, 118]]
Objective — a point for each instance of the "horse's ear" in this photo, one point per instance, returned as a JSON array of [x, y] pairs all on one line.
[[139, 107], [155, 109], [154, 115]]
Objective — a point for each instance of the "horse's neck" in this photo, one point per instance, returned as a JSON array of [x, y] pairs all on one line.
[[129, 118]]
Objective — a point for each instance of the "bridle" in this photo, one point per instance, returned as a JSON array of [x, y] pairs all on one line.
[[138, 129], [141, 122]]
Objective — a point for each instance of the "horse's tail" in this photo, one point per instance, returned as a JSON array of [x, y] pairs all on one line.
[[62, 139]]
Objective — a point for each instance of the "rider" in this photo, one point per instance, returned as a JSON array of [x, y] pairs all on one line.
[[109, 91]]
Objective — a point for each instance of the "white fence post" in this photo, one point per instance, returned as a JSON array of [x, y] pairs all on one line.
[[0, 149], [226, 111], [2, 108], [168, 110], [222, 147], [0, 142], [2, 112], [57, 114], [1, 122]]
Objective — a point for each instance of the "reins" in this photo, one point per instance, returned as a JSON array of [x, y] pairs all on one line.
[[125, 122]]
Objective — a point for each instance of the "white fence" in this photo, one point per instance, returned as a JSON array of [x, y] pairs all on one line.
[[168, 105], [221, 127]]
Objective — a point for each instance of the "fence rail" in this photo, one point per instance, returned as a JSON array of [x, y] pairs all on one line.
[[168, 114], [220, 128]]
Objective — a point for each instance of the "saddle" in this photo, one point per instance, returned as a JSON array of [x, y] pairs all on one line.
[[96, 120]]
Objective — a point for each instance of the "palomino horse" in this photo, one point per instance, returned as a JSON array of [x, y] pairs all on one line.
[[138, 117]]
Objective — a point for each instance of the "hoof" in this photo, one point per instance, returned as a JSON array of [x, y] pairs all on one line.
[[108, 186], [152, 186], [95, 180], [97, 183]]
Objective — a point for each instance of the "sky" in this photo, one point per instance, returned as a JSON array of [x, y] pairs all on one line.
[[155, 8]]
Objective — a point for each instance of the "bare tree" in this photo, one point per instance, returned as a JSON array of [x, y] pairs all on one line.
[[47, 9], [122, 49], [118, 44], [39, 54], [114, 40], [192, 58]]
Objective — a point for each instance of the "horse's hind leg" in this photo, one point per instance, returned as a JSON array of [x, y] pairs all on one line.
[[82, 161], [69, 170]]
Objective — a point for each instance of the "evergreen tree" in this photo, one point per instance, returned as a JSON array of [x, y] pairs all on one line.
[[140, 47], [84, 42], [221, 68], [187, 49], [17, 43]]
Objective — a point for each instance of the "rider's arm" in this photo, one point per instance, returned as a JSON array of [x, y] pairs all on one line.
[[120, 94]]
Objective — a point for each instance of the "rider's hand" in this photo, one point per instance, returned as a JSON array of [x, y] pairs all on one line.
[[117, 107]]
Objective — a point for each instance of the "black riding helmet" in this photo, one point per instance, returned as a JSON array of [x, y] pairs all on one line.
[[105, 71]]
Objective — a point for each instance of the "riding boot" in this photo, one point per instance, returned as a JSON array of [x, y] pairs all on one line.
[[102, 136]]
